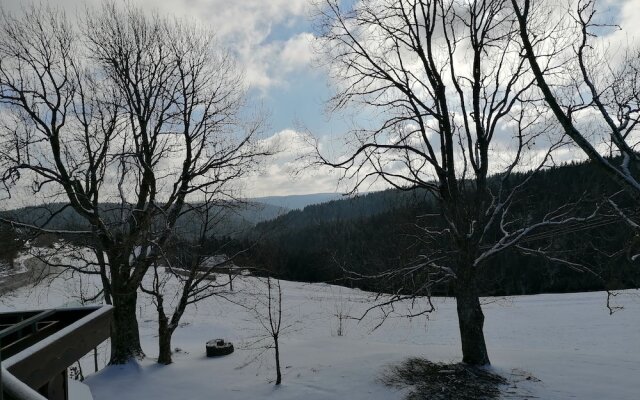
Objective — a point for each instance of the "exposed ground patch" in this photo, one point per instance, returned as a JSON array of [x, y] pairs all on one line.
[[424, 380]]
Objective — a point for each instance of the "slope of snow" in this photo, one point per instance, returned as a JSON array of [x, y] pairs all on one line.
[[558, 346]]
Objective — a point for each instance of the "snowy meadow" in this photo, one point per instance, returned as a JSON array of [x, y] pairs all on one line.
[[550, 346]]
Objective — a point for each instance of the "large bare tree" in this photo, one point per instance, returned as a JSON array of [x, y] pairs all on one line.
[[123, 117], [446, 94]]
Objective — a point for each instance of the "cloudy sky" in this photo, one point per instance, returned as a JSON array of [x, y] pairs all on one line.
[[273, 40]]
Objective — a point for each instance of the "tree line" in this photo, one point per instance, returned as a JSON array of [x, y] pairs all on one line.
[[344, 240]]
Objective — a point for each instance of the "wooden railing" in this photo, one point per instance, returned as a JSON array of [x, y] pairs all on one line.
[[38, 346]]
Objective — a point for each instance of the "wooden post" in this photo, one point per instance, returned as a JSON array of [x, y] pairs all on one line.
[[95, 359], [57, 388], [1, 389]]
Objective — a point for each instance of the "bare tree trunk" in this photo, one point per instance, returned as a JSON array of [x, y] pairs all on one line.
[[165, 330], [125, 338], [164, 341], [278, 372], [470, 318]]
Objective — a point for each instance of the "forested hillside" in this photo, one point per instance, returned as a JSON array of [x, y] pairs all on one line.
[[366, 235]]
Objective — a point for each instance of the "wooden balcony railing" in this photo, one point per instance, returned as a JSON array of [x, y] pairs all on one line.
[[37, 347]]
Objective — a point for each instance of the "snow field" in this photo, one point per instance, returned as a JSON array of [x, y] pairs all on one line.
[[553, 346]]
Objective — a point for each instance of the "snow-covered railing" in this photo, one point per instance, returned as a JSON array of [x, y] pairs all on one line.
[[40, 345], [14, 389]]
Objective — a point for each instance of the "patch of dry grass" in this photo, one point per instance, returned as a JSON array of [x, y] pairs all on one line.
[[427, 380]]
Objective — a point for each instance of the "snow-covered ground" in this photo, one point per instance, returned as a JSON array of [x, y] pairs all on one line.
[[18, 266], [568, 343]]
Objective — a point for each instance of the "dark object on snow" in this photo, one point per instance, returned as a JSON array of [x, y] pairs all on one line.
[[218, 347], [439, 381]]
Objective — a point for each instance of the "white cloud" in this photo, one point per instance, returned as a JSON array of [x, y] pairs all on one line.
[[629, 17], [290, 169], [297, 51]]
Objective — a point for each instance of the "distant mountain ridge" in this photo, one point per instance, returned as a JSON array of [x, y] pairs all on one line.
[[297, 201]]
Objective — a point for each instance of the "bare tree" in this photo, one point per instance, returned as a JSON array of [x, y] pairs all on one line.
[[187, 276], [604, 88], [448, 100], [267, 310], [125, 118]]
